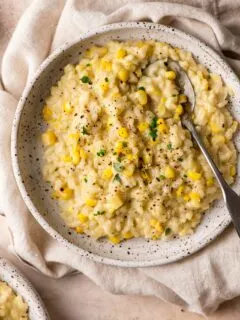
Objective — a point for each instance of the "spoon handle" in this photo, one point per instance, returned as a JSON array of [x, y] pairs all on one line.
[[231, 199]]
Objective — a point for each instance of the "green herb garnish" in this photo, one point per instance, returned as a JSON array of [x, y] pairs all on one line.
[[85, 179], [118, 166], [85, 79], [153, 134], [101, 153], [162, 177], [117, 178], [99, 213], [124, 144], [88, 64], [106, 79], [167, 231], [141, 88], [153, 124], [169, 146], [153, 130], [84, 131]]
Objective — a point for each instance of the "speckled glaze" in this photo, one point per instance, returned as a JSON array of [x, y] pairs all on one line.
[[27, 152], [23, 287]]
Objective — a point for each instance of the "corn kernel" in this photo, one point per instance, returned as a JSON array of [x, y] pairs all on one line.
[[106, 65], [104, 86], [49, 138], [82, 153], [75, 157], [142, 97], [129, 171], [114, 239], [179, 191], [194, 196], [162, 127], [232, 171], [122, 132], [156, 225], [171, 75], [121, 53], [65, 193], [204, 84], [47, 113], [128, 235], [118, 147], [215, 128], [143, 126], [67, 107], [182, 98], [179, 110], [218, 139], [123, 75], [161, 110], [210, 182], [107, 173], [66, 158], [169, 172], [194, 175], [131, 157], [74, 137], [79, 229], [91, 202], [82, 218], [186, 198], [156, 92], [145, 175], [147, 158]]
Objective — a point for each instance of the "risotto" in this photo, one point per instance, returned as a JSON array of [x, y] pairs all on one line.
[[116, 155], [12, 306]]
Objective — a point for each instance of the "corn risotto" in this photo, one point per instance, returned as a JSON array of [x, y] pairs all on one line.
[[116, 155], [12, 306]]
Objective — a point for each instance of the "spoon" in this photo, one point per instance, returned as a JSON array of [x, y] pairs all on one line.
[[231, 199]]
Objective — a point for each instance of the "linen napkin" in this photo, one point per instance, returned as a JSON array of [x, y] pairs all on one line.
[[200, 282]]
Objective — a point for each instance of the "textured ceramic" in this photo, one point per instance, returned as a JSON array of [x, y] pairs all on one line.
[[22, 286], [27, 152]]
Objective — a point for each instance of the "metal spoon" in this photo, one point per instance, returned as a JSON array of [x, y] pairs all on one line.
[[231, 199]]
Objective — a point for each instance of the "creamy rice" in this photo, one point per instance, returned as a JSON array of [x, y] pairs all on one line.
[[12, 306], [119, 161]]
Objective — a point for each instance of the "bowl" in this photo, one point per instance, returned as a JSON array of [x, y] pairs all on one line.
[[27, 151]]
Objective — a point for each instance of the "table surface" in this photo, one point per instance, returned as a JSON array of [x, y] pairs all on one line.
[[93, 303]]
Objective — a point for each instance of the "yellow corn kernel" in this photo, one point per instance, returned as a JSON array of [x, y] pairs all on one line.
[[82, 218], [179, 110], [118, 147], [122, 132], [145, 175], [194, 175], [169, 172], [128, 235], [156, 225], [107, 173], [214, 127], [91, 202], [210, 182], [205, 84], [123, 75], [76, 157], [66, 158], [163, 100], [47, 113], [218, 139], [194, 196], [186, 198], [232, 171], [147, 158], [74, 137], [143, 126], [79, 229], [67, 107], [82, 153], [114, 239], [131, 157], [129, 171], [162, 127], [156, 92], [161, 110], [171, 75], [104, 86], [114, 203], [65, 193], [179, 191], [121, 53], [49, 138], [142, 97], [182, 98], [106, 65]]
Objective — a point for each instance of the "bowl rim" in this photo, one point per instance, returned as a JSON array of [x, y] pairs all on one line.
[[14, 143], [8, 269]]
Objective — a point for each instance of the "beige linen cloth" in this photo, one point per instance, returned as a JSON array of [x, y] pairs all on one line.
[[200, 282]]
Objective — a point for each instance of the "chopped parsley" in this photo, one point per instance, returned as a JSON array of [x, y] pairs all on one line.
[[153, 134], [141, 88], [153, 124], [101, 153], [85, 179], [85, 79], [106, 79], [124, 144], [84, 131], [117, 178], [99, 213], [162, 177], [88, 64], [118, 166], [167, 231], [153, 130], [169, 146]]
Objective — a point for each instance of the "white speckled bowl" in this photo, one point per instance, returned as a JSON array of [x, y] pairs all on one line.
[[14, 278], [26, 152]]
